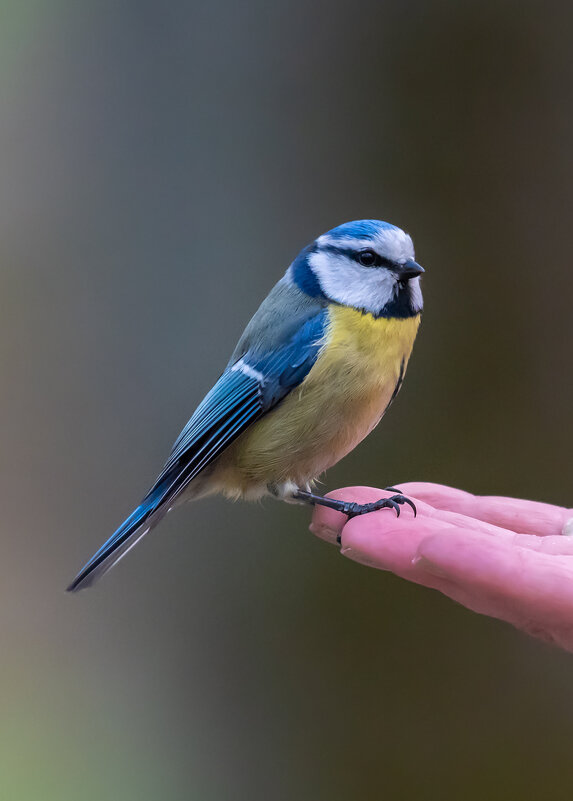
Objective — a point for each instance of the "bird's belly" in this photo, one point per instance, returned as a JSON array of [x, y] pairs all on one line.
[[340, 401]]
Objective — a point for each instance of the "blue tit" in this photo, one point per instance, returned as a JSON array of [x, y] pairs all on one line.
[[311, 376]]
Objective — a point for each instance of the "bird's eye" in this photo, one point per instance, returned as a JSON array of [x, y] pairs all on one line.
[[368, 258]]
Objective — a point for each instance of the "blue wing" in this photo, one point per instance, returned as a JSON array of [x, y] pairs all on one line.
[[245, 392]]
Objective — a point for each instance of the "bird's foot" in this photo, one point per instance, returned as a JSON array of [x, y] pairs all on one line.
[[351, 509], [393, 502]]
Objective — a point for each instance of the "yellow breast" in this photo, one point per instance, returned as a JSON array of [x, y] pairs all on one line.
[[340, 401]]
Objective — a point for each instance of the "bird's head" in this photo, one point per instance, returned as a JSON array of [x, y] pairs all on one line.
[[366, 264]]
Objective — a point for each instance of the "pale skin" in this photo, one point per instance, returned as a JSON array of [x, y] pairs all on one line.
[[507, 558]]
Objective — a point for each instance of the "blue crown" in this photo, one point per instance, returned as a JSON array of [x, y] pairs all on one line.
[[360, 229]]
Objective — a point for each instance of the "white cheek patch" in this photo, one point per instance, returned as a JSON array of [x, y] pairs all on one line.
[[348, 283]]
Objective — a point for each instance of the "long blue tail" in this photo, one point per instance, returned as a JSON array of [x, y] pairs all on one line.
[[147, 515]]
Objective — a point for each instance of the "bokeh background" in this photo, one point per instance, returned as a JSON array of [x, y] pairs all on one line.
[[162, 163]]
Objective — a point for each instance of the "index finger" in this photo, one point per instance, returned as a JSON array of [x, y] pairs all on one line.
[[515, 514]]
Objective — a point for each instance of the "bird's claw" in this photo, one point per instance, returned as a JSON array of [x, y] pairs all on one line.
[[355, 509], [393, 502], [404, 499]]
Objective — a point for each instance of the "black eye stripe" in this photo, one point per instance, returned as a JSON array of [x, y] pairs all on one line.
[[378, 261]]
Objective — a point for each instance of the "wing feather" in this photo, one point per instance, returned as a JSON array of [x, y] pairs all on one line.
[[238, 399]]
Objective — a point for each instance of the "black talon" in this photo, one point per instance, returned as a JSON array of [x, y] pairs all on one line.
[[410, 503], [404, 499]]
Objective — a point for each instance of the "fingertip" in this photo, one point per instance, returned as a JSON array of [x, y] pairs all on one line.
[[327, 524]]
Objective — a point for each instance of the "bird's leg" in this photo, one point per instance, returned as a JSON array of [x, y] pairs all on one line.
[[351, 509]]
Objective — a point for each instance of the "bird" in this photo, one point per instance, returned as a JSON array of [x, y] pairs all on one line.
[[312, 374]]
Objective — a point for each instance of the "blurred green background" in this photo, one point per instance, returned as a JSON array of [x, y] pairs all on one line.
[[162, 163]]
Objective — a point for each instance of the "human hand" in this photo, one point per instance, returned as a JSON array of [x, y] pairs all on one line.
[[504, 557]]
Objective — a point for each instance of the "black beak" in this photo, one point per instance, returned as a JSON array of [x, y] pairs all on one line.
[[410, 269]]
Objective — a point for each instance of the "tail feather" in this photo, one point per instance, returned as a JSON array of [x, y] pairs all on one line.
[[142, 520]]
